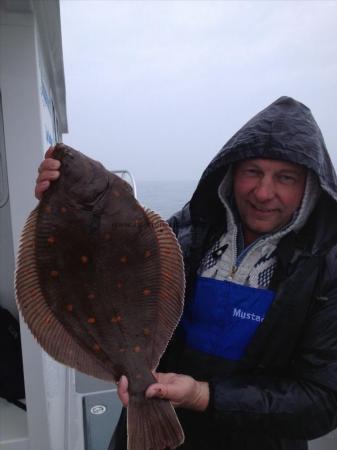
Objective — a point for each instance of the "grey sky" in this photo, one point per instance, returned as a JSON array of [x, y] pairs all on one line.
[[159, 86]]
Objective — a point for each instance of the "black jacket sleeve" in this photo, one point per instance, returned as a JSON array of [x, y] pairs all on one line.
[[302, 405], [282, 407]]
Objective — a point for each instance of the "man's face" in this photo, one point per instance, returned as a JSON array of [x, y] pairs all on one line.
[[267, 193]]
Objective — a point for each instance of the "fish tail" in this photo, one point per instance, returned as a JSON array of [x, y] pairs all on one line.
[[153, 425]]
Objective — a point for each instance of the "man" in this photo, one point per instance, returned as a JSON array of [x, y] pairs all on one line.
[[253, 362]]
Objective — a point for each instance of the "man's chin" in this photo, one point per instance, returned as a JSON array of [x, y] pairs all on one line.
[[262, 228]]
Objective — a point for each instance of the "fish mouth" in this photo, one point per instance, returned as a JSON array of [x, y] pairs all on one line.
[[90, 199], [85, 189]]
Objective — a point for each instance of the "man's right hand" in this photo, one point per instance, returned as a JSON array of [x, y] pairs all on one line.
[[183, 391], [48, 171]]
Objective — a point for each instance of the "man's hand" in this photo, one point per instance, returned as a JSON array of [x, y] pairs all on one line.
[[48, 171], [182, 390]]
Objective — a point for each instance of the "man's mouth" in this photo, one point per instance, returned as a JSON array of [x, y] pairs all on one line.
[[262, 209]]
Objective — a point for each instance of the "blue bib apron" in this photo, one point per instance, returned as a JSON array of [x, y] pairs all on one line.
[[223, 316]]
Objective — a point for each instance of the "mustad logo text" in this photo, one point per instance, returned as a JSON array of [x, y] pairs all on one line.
[[247, 315]]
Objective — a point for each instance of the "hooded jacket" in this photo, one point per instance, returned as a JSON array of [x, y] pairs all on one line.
[[283, 391]]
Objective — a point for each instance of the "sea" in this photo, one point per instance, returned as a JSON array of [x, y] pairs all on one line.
[[165, 197]]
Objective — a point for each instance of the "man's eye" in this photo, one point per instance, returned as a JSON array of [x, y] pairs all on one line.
[[251, 172], [287, 179]]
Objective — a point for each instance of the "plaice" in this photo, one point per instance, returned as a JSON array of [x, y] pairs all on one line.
[[100, 283]]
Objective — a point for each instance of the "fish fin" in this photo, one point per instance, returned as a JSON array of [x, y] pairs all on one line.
[[153, 425], [172, 285], [43, 324]]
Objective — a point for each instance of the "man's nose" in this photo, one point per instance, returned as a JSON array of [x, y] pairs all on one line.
[[264, 191]]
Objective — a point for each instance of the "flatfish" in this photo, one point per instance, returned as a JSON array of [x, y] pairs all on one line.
[[100, 283]]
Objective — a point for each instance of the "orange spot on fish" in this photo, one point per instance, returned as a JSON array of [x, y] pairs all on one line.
[[63, 209], [51, 240], [54, 273], [91, 296], [115, 319], [146, 292], [84, 259], [69, 307], [91, 320], [136, 349], [123, 259], [146, 331], [147, 254], [96, 347]]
